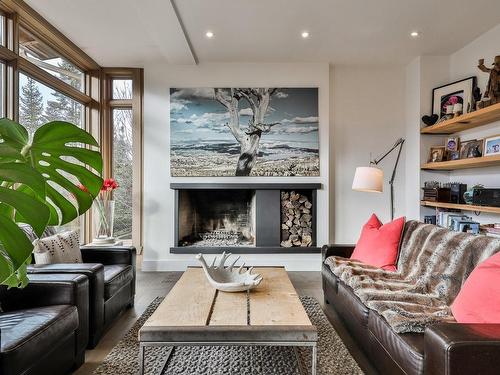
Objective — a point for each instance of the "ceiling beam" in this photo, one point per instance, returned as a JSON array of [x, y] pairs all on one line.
[[184, 32]]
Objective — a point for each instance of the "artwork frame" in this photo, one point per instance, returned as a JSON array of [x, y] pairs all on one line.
[[436, 154], [492, 145], [463, 89], [471, 149], [244, 131]]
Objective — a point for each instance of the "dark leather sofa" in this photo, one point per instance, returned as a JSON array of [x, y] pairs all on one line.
[[111, 272], [44, 327], [444, 348]]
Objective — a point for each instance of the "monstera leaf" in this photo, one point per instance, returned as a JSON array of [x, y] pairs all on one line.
[[39, 186]]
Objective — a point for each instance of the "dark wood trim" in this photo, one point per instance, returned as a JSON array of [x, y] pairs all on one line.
[[248, 185], [244, 250], [33, 21], [53, 82]]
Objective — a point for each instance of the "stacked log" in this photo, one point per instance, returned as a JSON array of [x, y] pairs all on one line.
[[296, 220]]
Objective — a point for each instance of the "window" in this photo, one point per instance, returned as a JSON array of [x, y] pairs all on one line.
[[39, 104], [42, 55], [122, 171], [122, 89], [3, 72], [124, 117]]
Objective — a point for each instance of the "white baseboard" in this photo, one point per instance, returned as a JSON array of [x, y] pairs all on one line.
[[292, 262]]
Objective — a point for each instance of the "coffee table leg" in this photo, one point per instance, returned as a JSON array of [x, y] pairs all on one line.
[[314, 359], [142, 353]]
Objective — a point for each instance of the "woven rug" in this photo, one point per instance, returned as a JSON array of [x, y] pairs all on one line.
[[333, 356]]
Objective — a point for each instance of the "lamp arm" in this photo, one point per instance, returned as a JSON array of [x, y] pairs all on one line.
[[399, 143]]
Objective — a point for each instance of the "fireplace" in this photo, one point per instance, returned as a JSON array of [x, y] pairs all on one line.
[[245, 218], [214, 218]]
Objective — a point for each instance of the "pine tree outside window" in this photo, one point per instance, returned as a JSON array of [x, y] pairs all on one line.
[[39, 104]]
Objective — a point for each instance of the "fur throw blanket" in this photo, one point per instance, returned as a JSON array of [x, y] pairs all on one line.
[[433, 264]]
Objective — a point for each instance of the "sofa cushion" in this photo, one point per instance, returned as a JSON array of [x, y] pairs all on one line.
[[406, 349], [60, 248], [378, 244], [27, 334], [479, 299], [115, 277]]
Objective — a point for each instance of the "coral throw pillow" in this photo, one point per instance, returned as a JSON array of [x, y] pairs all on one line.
[[378, 244], [479, 299]]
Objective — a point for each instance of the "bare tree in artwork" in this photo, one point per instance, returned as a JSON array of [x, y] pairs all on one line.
[[248, 138]]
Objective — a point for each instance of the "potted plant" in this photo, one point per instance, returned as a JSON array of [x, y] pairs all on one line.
[[39, 186]]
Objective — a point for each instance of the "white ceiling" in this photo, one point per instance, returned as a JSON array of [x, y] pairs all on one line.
[[134, 32]]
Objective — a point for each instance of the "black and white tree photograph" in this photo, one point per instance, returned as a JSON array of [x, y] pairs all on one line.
[[244, 132]]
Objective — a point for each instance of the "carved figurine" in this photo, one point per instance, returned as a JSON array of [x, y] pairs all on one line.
[[492, 91]]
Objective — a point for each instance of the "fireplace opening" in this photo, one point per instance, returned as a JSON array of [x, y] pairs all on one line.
[[216, 218]]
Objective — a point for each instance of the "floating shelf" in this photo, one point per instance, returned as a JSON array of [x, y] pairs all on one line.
[[485, 161], [463, 207], [467, 121]]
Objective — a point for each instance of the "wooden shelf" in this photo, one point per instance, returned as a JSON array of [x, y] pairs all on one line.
[[468, 121], [485, 161], [463, 207]]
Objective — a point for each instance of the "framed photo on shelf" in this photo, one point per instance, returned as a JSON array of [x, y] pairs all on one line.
[[436, 154], [453, 155], [450, 96], [471, 149], [492, 146], [452, 144]]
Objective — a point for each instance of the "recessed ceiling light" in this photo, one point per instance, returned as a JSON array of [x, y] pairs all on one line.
[[305, 34], [209, 34], [415, 34]]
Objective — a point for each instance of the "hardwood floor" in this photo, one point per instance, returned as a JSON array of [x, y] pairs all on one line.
[[153, 284]]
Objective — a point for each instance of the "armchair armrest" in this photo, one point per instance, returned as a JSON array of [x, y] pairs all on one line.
[[341, 250], [455, 348], [53, 289], [109, 255]]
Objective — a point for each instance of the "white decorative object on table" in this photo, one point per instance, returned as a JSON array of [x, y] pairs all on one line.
[[229, 279]]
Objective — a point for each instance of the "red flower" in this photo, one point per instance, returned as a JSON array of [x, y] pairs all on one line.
[[109, 185]]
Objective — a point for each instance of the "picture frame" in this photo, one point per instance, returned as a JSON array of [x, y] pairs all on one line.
[[492, 146], [461, 91], [452, 144], [436, 154], [453, 155], [471, 149]]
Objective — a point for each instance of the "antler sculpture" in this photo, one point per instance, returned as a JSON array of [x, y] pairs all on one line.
[[229, 278]]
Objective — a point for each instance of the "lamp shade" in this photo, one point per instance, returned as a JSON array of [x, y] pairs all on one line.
[[369, 179]]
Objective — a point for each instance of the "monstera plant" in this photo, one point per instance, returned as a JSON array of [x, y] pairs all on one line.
[[39, 186]]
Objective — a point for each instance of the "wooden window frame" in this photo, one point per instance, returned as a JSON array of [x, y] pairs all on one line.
[[136, 105]]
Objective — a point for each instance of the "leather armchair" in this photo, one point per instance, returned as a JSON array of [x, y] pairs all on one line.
[[44, 327], [111, 272]]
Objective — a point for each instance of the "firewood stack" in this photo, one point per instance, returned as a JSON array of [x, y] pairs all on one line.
[[296, 220]]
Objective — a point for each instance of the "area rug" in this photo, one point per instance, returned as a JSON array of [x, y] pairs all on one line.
[[333, 356]]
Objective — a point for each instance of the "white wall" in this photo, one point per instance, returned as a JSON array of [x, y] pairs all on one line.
[[158, 198], [368, 109]]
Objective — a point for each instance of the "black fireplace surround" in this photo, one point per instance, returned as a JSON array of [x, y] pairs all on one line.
[[245, 218]]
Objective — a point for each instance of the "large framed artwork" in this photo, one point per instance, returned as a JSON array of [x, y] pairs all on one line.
[[244, 132]]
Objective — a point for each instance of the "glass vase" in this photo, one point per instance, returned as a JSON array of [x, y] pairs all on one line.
[[103, 214]]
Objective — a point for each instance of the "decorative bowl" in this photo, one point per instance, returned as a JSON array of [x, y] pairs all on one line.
[[228, 278]]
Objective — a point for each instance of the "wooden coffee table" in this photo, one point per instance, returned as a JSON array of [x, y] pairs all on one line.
[[196, 314]]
